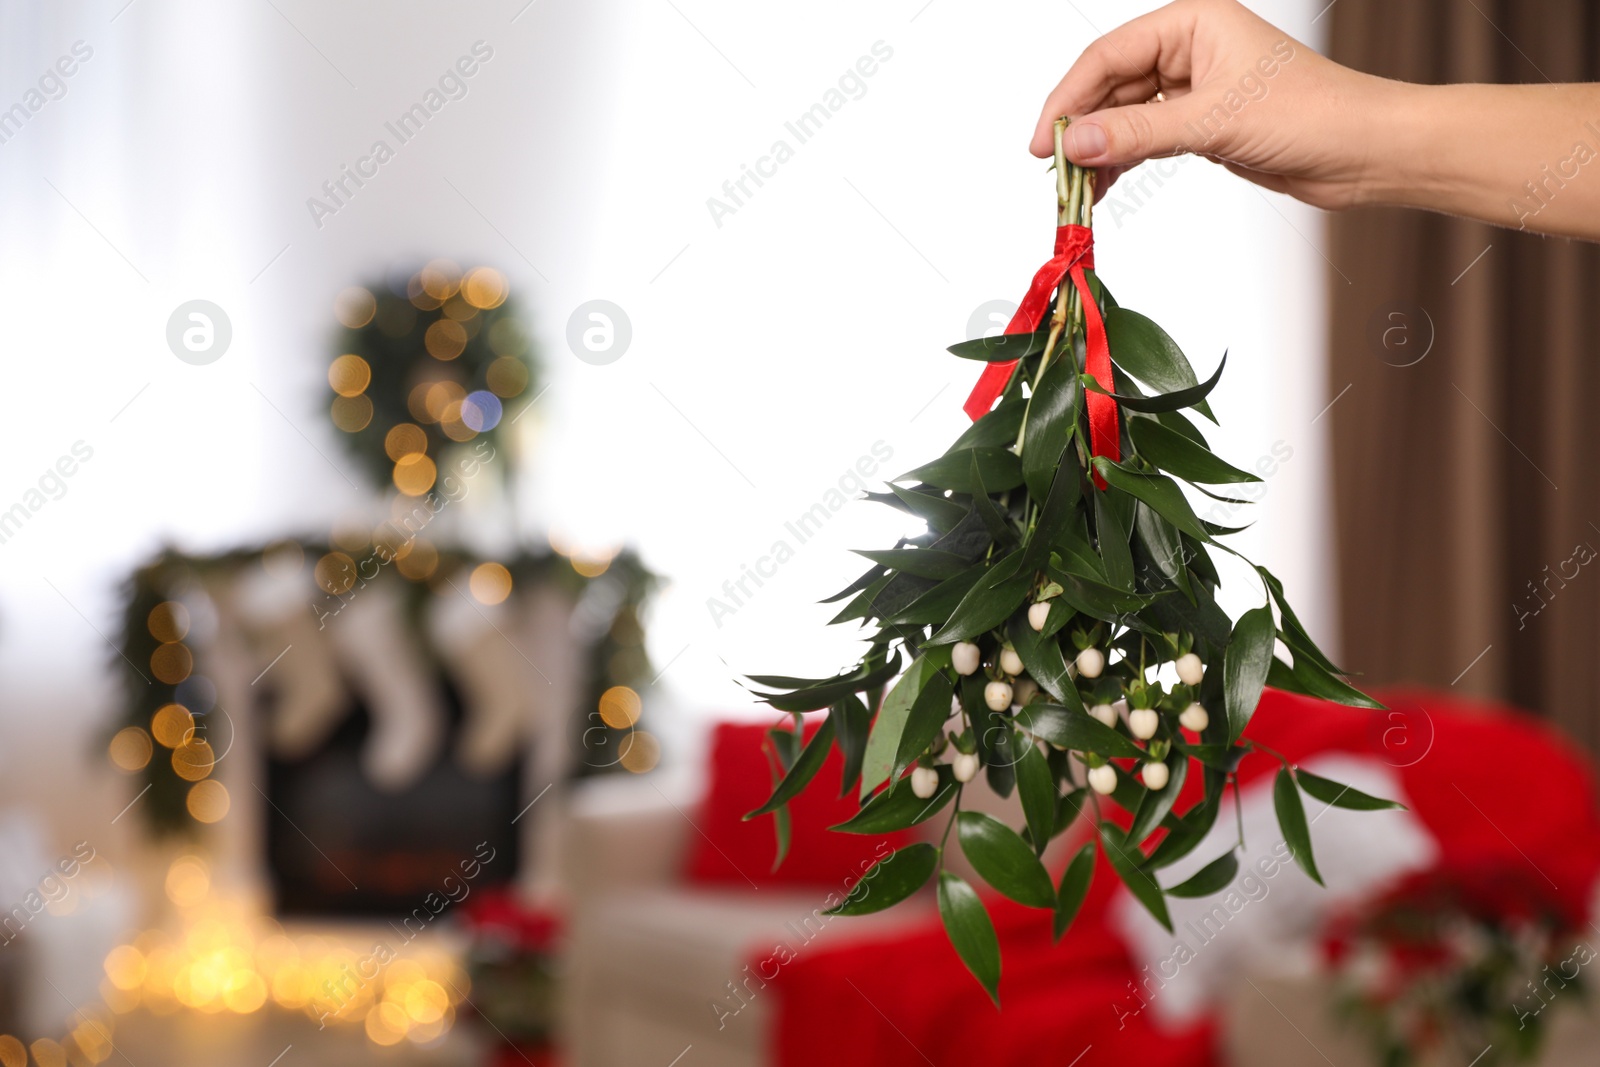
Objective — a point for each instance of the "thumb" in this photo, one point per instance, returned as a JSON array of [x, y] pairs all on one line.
[[1126, 136]]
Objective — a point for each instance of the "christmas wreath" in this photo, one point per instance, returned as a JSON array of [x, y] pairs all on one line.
[[1056, 628]]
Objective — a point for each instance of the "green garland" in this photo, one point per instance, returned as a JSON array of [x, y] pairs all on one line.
[[616, 657], [1036, 612]]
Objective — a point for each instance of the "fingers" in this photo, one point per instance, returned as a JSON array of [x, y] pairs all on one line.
[[1129, 65], [1127, 136]]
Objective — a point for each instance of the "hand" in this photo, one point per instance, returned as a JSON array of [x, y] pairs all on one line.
[[1212, 78]]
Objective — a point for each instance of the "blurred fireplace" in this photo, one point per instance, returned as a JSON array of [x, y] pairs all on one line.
[[337, 845]]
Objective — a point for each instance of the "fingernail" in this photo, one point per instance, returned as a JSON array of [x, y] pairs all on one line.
[[1088, 142]]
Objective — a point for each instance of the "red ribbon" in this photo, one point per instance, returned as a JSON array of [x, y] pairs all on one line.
[[1074, 255]]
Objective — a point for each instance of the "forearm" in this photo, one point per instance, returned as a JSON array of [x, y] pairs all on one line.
[[1522, 156]]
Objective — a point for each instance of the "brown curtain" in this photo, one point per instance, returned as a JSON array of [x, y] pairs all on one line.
[[1467, 487]]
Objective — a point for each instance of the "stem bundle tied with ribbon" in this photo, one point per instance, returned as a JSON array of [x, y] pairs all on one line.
[[1050, 622]]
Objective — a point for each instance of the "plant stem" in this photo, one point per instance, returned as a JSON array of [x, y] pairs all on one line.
[[1069, 209]]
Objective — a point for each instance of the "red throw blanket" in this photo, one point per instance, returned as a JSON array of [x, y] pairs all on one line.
[[1489, 783]]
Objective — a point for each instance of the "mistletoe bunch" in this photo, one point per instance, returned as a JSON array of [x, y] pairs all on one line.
[[1057, 628]]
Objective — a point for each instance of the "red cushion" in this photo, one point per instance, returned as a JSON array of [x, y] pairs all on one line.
[[731, 852]]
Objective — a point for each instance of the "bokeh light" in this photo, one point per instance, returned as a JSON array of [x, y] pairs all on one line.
[[620, 707], [481, 411], [414, 474], [335, 573], [172, 725], [404, 439], [490, 583], [168, 621], [193, 760], [445, 339], [351, 413], [13, 1053], [354, 307], [418, 560], [485, 287], [171, 662], [188, 881], [640, 752], [131, 749], [349, 375], [48, 1053], [507, 376], [208, 801]]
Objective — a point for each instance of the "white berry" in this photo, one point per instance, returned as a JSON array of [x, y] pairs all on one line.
[[1105, 713], [1190, 669], [1038, 613], [1010, 662], [1103, 779], [1024, 690], [924, 782], [1091, 661], [997, 695], [1194, 718], [1155, 775], [1143, 723], [965, 766], [965, 657]]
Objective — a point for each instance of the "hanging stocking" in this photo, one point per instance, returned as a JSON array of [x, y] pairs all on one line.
[[380, 653]]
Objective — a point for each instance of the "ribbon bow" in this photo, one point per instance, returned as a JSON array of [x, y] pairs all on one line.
[[1074, 254]]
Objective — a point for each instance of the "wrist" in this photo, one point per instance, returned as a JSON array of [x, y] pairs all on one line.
[[1409, 146]]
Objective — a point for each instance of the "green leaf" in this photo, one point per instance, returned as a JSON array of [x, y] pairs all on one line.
[[1057, 520], [800, 774], [990, 602], [1158, 802], [1042, 657], [935, 606], [1178, 455], [966, 923], [872, 575], [1308, 679], [1126, 861], [922, 562], [1292, 821], [1294, 634], [1164, 548], [1036, 787], [1185, 835], [1156, 490], [1163, 402], [1075, 730], [1052, 420], [994, 735], [884, 739], [1074, 888], [1002, 347], [925, 722], [852, 726], [1001, 469], [890, 880], [1096, 599], [1342, 796], [1112, 532], [939, 512], [1003, 858], [783, 828], [1213, 877], [1245, 666], [1003, 533], [997, 429], [897, 807], [820, 694], [1144, 350]]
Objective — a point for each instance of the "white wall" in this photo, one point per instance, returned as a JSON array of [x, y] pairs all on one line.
[[769, 353]]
